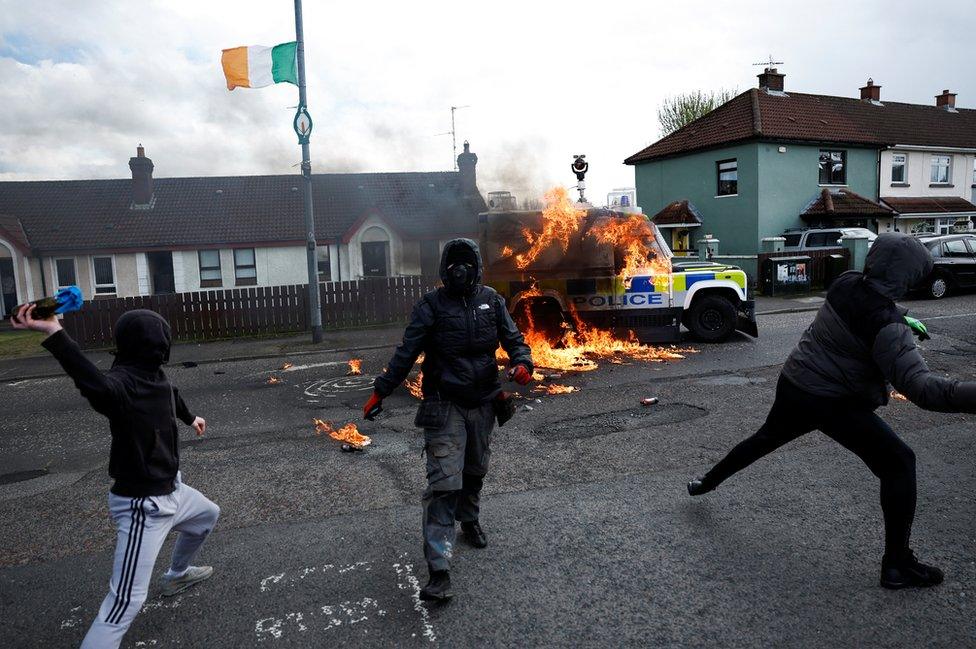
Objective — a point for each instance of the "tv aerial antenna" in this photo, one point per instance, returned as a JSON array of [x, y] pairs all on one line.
[[453, 134], [770, 63]]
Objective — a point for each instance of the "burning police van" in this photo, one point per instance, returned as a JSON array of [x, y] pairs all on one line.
[[571, 263]]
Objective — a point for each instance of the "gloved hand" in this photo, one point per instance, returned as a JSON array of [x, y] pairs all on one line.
[[918, 328], [373, 407], [520, 374]]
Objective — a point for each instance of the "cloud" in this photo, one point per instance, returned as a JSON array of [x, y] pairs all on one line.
[[82, 83]]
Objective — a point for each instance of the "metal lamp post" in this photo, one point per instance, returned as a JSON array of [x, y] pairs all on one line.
[[303, 128]]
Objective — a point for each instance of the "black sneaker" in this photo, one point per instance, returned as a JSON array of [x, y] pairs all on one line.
[[472, 533], [908, 572], [438, 588], [697, 487]]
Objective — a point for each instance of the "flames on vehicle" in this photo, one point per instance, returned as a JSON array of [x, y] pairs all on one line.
[[355, 367], [580, 346]]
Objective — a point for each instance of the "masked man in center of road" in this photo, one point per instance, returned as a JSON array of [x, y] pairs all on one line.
[[458, 328], [837, 376]]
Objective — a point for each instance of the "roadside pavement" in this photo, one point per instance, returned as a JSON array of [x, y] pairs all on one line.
[[42, 365], [221, 351]]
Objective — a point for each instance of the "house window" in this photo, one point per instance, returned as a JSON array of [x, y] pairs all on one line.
[[323, 263], [728, 177], [940, 169], [103, 270], [65, 271], [209, 268], [245, 271], [898, 162], [833, 167]]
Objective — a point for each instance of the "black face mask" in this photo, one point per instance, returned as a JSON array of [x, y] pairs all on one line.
[[461, 277]]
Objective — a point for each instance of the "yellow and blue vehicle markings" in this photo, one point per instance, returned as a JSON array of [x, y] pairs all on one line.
[[643, 291]]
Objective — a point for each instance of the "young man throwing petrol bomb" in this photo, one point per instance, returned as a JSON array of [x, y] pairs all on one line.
[[836, 377]]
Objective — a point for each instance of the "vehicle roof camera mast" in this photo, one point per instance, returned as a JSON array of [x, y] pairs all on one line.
[[580, 166]]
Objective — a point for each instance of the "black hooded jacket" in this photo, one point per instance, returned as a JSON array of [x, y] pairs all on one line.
[[141, 405], [859, 341], [458, 335]]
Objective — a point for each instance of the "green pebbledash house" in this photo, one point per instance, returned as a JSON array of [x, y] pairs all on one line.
[[770, 160]]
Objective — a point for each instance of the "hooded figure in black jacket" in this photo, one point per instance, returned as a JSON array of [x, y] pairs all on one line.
[[148, 498], [838, 375], [458, 328]]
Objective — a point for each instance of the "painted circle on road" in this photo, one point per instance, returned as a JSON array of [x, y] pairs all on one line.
[[338, 385]]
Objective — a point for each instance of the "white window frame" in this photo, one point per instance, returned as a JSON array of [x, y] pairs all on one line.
[[57, 275], [904, 169], [933, 166], [94, 280], [220, 270], [245, 281]]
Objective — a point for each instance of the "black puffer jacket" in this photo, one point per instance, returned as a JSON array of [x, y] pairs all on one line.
[[859, 342], [458, 335], [141, 404]]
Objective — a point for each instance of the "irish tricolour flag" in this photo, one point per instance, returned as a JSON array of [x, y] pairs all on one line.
[[256, 66]]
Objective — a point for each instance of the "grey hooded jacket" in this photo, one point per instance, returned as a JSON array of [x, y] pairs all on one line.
[[458, 335], [859, 342]]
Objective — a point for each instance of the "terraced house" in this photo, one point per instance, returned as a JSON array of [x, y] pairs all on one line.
[[769, 159], [140, 236]]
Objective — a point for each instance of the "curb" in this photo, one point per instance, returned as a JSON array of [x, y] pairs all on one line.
[[799, 309], [214, 361]]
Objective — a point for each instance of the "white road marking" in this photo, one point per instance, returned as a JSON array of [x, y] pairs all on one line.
[[15, 384], [406, 580], [335, 615], [945, 317], [299, 368]]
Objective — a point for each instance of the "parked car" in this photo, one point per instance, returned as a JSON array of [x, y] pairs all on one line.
[[814, 239], [955, 264]]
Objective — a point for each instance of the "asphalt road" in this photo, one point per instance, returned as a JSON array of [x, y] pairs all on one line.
[[593, 540]]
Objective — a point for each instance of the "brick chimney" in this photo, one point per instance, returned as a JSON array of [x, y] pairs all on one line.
[[946, 100], [466, 163], [871, 92], [142, 179], [771, 80]]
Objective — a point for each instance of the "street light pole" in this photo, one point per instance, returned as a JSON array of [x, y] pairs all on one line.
[[315, 310]]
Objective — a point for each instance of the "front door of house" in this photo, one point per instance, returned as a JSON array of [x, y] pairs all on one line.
[[680, 241], [161, 272], [8, 287], [430, 258], [374, 258]]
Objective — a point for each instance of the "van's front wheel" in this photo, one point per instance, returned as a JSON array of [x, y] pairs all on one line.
[[711, 318]]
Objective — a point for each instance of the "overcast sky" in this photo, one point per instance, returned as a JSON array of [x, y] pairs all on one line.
[[83, 82]]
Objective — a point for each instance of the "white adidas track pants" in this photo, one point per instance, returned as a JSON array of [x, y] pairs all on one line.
[[143, 524]]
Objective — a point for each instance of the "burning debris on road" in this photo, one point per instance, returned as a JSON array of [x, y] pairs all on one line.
[[273, 380], [287, 366], [355, 367], [349, 433], [555, 388], [898, 396]]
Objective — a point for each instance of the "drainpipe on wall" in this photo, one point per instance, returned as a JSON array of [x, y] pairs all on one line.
[[40, 260], [877, 225]]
